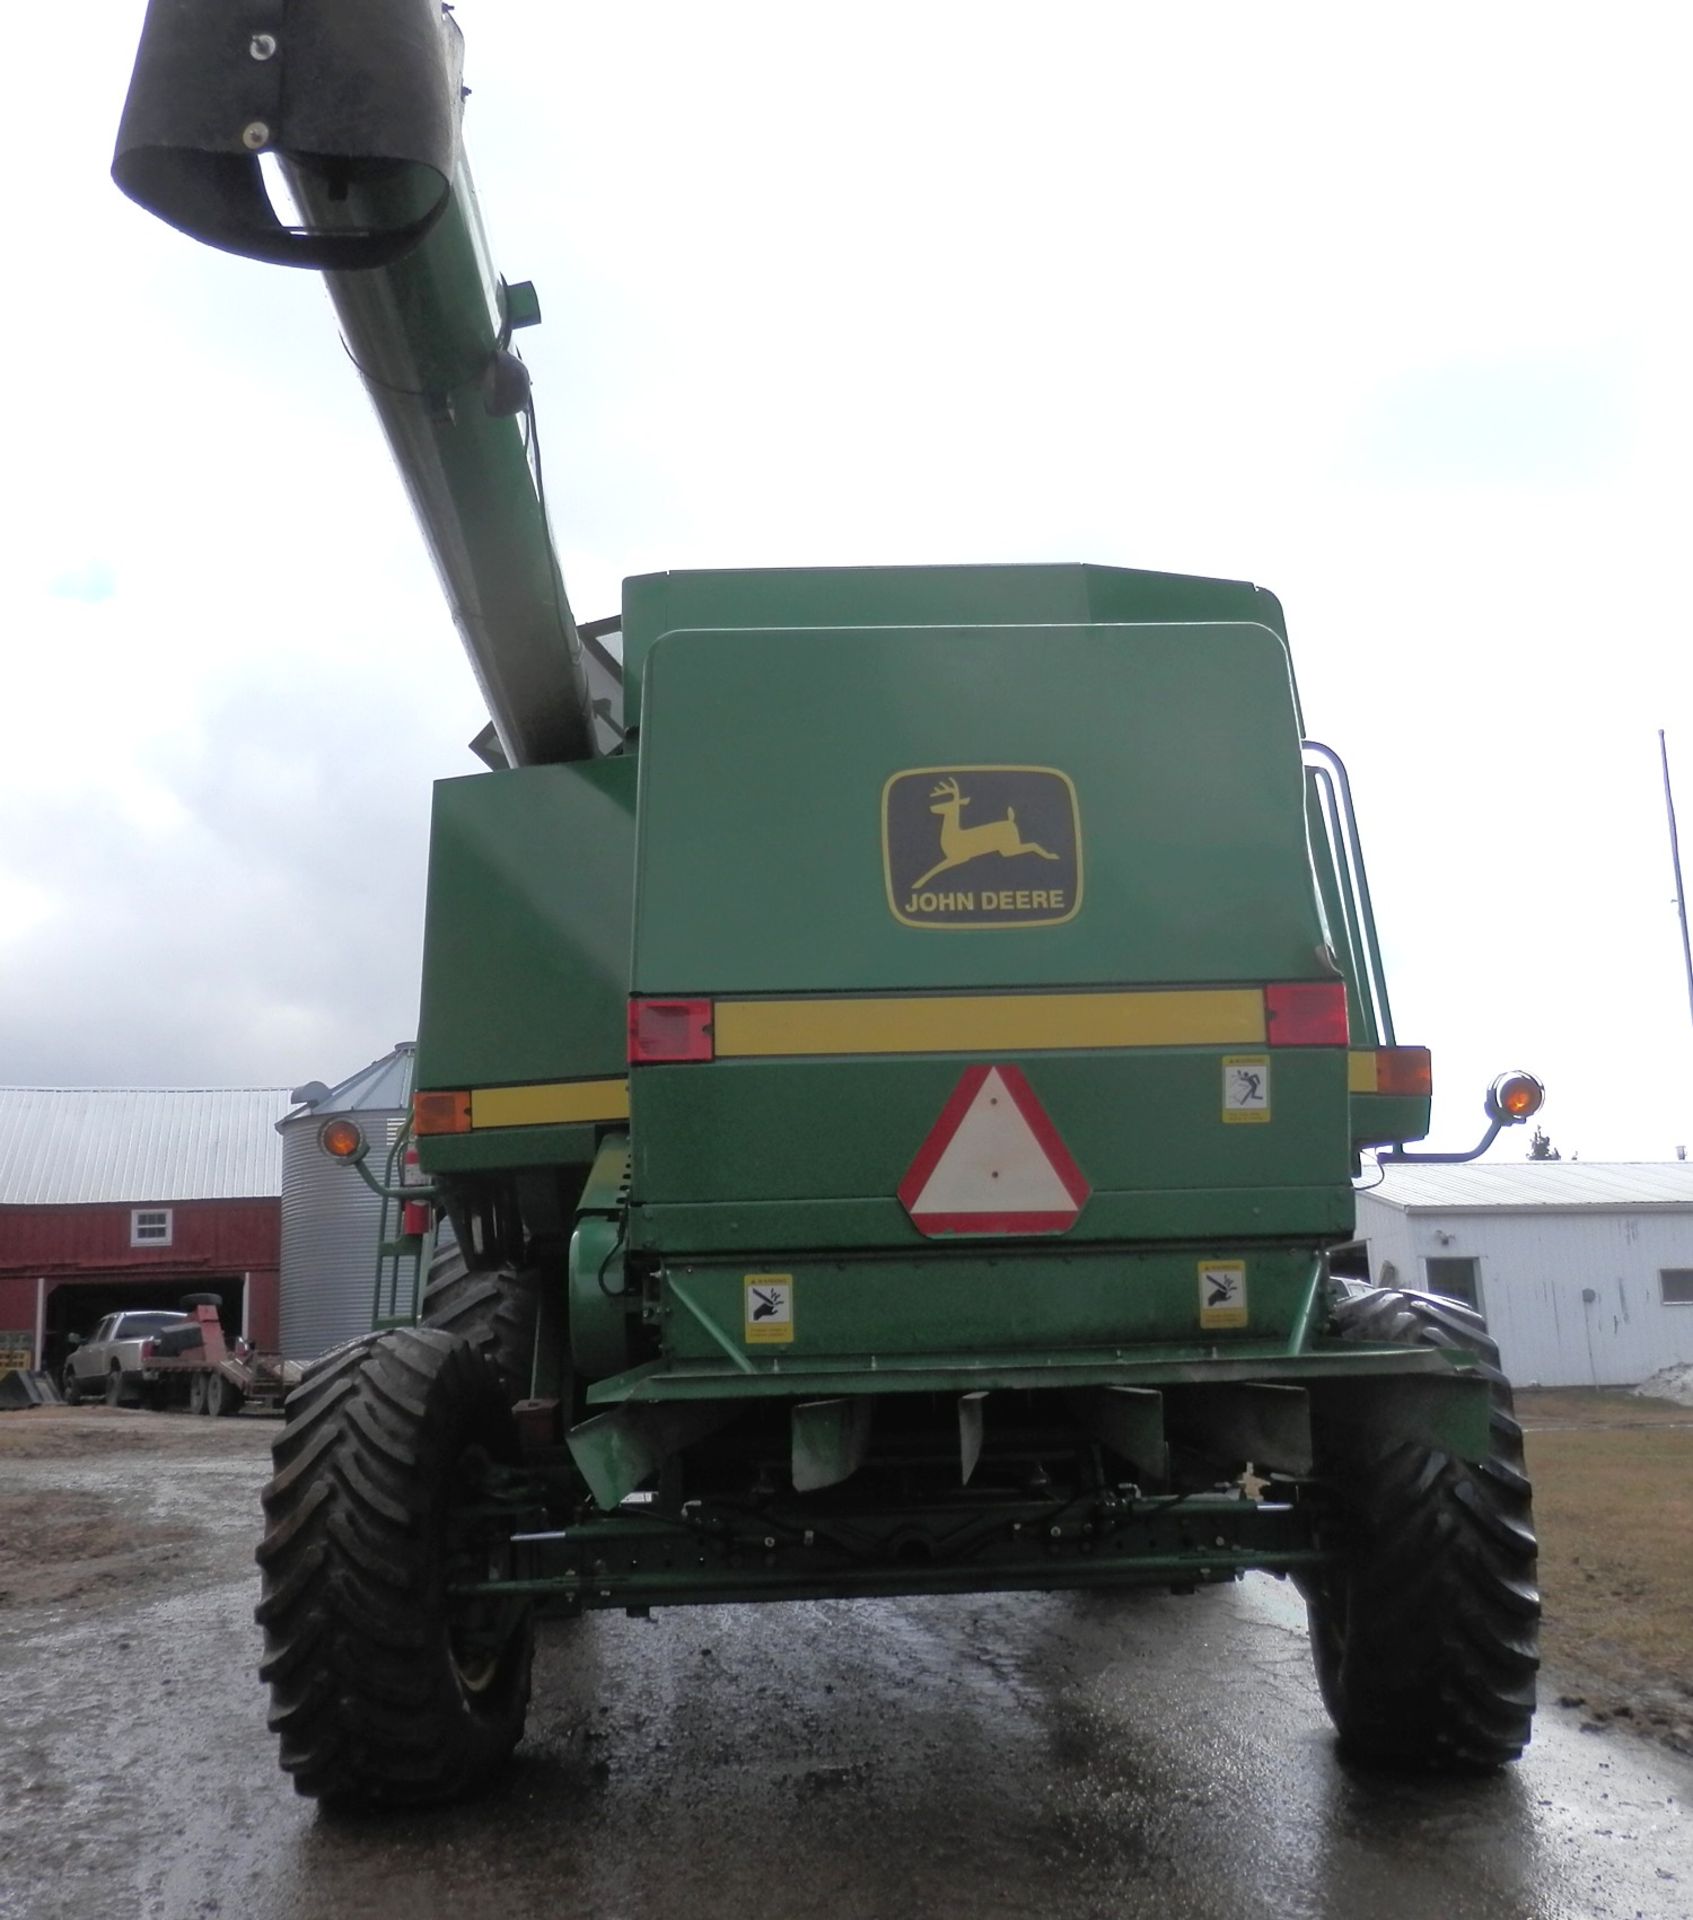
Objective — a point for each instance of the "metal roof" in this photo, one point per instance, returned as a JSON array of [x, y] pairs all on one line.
[[68, 1146], [1549, 1185], [382, 1087]]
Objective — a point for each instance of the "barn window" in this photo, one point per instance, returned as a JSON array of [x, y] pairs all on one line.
[[149, 1227], [1675, 1284], [1456, 1279]]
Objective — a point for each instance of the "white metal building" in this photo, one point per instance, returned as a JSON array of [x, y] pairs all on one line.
[[1583, 1269]]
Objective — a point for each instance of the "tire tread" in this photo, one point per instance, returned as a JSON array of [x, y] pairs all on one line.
[[365, 1697], [1429, 1657], [494, 1308]]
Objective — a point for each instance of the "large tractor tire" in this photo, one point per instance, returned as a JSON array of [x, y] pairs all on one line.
[[386, 1688], [494, 1308], [1425, 1632]]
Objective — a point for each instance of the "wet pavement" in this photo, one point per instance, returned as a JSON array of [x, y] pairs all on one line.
[[1065, 1756]]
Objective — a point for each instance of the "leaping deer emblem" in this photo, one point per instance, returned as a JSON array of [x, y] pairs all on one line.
[[960, 843]]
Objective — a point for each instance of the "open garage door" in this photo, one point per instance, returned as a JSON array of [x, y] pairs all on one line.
[[78, 1306]]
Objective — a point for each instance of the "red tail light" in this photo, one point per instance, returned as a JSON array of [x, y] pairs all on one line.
[[1306, 1013], [669, 1030]]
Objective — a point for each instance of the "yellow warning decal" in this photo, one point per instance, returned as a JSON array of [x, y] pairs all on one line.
[[1222, 1293], [553, 1104], [990, 1022], [769, 1309], [1246, 1088]]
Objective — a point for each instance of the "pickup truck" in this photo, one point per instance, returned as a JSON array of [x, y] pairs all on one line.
[[109, 1361]]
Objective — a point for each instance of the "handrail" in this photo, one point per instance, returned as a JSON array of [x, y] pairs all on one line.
[[1342, 822]]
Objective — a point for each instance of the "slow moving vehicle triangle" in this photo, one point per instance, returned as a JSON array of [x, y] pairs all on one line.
[[993, 1163]]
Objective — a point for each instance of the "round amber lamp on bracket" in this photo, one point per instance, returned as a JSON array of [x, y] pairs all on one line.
[[342, 1139], [1515, 1097]]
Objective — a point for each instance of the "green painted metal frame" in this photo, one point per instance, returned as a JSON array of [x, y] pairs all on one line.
[[633, 1560], [961, 1371], [903, 1307], [402, 1259]]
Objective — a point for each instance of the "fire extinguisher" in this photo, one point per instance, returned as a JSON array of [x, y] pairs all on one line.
[[414, 1214]]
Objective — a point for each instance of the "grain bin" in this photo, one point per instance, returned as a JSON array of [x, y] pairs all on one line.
[[330, 1218]]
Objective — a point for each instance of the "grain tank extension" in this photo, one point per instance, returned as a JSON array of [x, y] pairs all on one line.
[[895, 1048]]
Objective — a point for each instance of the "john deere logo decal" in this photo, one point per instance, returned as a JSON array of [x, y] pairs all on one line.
[[981, 847]]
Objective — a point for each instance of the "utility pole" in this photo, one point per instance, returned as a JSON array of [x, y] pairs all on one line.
[[1675, 857]]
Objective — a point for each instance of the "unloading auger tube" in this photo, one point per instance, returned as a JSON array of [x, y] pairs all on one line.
[[360, 106]]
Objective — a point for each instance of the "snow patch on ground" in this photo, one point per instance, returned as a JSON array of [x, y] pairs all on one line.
[[1670, 1383]]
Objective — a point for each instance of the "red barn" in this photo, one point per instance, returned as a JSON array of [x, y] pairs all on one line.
[[114, 1197]]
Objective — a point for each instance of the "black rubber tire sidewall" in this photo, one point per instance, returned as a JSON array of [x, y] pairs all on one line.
[[1423, 1637], [367, 1696]]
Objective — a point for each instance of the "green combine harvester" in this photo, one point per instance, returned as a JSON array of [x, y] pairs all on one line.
[[896, 1045]]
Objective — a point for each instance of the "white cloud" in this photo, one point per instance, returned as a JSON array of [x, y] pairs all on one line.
[[1383, 310]]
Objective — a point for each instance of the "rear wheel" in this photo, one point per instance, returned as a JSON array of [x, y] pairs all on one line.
[[494, 1308], [114, 1387], [72, 1387], [223, 1396], [1425, 1632], [197, 1392], [385, 1685]]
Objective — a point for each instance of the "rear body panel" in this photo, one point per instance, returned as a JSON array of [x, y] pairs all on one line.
[[762, 869], [1146, 1126], [847, 1003]]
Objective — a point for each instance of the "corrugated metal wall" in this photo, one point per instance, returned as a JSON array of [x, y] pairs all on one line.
[[75, 1146], [1535, 1268], [330, 1224]]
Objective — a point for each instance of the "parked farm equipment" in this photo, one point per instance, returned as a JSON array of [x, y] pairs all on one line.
[[893, 1126], [195, 1368]]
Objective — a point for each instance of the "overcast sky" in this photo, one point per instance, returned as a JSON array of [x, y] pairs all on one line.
[[1383, 308]]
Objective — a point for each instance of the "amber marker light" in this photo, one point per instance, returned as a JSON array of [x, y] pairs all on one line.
[[342, 1139], [1407, 1071], [1515, 1097], [440, 1113]]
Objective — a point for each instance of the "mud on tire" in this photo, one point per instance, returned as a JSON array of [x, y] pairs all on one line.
[[1425, 1635], [383, 1687], [494, 1308]]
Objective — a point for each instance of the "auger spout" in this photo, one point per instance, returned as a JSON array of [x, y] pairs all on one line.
[[360, 105]]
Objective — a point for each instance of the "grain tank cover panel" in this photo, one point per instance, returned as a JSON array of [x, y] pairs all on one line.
[[957, 808], [526, 941], [655, 604]]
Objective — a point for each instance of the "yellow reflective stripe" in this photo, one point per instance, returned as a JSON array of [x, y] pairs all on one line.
[[1361, 1072], [990, 1023], [560, 1103]]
